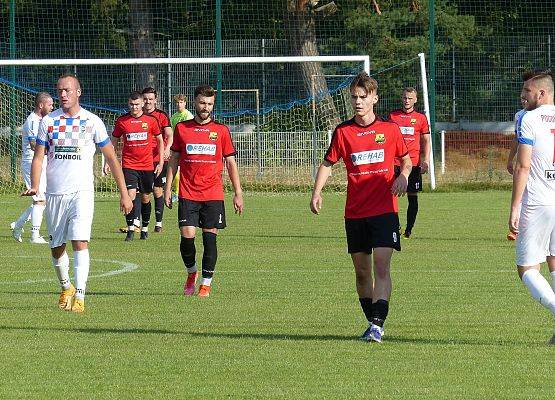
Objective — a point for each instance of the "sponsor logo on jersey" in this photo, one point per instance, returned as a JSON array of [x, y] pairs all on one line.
[[144, 125], [413, 121], [407, 130], [136, 136], [365, 133], [380, 138], [550, 174], [368, 157], [213, 135], [201, 148], [67, 153], [67, 149], [201, 130]]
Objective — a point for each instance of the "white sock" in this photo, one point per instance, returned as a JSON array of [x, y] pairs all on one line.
[[144, 229], [61, 265], [81, 265], [158, 223], [539, 289], [192, 269], [137, 222], [206, 281], [553, 280], [36, 219], [24, 217]]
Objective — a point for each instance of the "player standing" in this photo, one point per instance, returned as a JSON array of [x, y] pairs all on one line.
[[43, 106], [368, 147], [416, 132], [151, 98], [532, 213], [138, 130], [199, 148], [70, 135], [182, 114]]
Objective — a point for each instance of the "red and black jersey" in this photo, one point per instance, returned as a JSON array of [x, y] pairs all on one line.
[[137, 134], [369, 154], [412, 125], [202, 149], [164, 122]]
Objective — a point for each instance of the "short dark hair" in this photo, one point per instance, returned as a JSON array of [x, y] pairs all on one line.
[[366, 82], [537, 73], [135, 95], [41, 97], [150, 89], [205, 90]]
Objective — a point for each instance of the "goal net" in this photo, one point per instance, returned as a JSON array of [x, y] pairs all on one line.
[[281, 111]]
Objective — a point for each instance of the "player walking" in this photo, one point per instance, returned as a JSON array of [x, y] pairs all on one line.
[[200, 145], [532, 213], [415, 130], [43, 106], [368, 147], [70, 135]]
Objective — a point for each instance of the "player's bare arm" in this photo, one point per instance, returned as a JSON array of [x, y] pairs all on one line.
[[233, 173], [160, 164], [520, 177], [321, 178], [399, 187], [126, 205], [512, 153], [106, 167], [173, 163], [168, 131], [424, 153], [36, 170]]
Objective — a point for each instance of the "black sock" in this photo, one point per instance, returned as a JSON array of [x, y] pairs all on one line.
[[130, 217], [159, 208], [412, 210], [146, 209], [137, 207], [210, 254], [380, 309], [366, 304], [188, 251]]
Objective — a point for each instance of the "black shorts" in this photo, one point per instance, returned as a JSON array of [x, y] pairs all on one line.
[[365, 234], [140, 180], [160, 180], [415, 179], [204, 214]]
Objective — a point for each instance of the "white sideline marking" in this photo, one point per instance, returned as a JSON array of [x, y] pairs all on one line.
[[126, 267]]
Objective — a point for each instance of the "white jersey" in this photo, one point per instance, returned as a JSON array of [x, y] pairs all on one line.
[[517, 117], [537, 129], [29, 134], [71, 143]]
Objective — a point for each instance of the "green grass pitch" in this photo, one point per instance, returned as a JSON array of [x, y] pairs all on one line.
[[283, 318]]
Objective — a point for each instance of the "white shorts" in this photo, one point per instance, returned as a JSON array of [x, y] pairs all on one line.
[[26, 172], [536, 235], [69, 216]]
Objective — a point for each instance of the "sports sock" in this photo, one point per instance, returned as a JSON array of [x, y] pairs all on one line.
[[210, 254], [380, 309], [553, 280], [159, 209], [129, 218], [137, 209], [61, 265], [539, 288], [412, 210], [188, 252], [366, 304], [206, 281], [36, 219], [24, 217], [146, 209], [81, 265]]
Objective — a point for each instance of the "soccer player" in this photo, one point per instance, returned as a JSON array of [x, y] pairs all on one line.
[[368, 147], [415, 130], [532, 213], [182, 114], [200, 145], [43, 106], [138, 130], [70, 135], [151, 98]]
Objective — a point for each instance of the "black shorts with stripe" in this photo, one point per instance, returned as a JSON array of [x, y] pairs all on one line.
[[365, 234]]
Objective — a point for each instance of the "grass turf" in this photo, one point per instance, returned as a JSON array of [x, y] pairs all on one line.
[[283, 318]]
